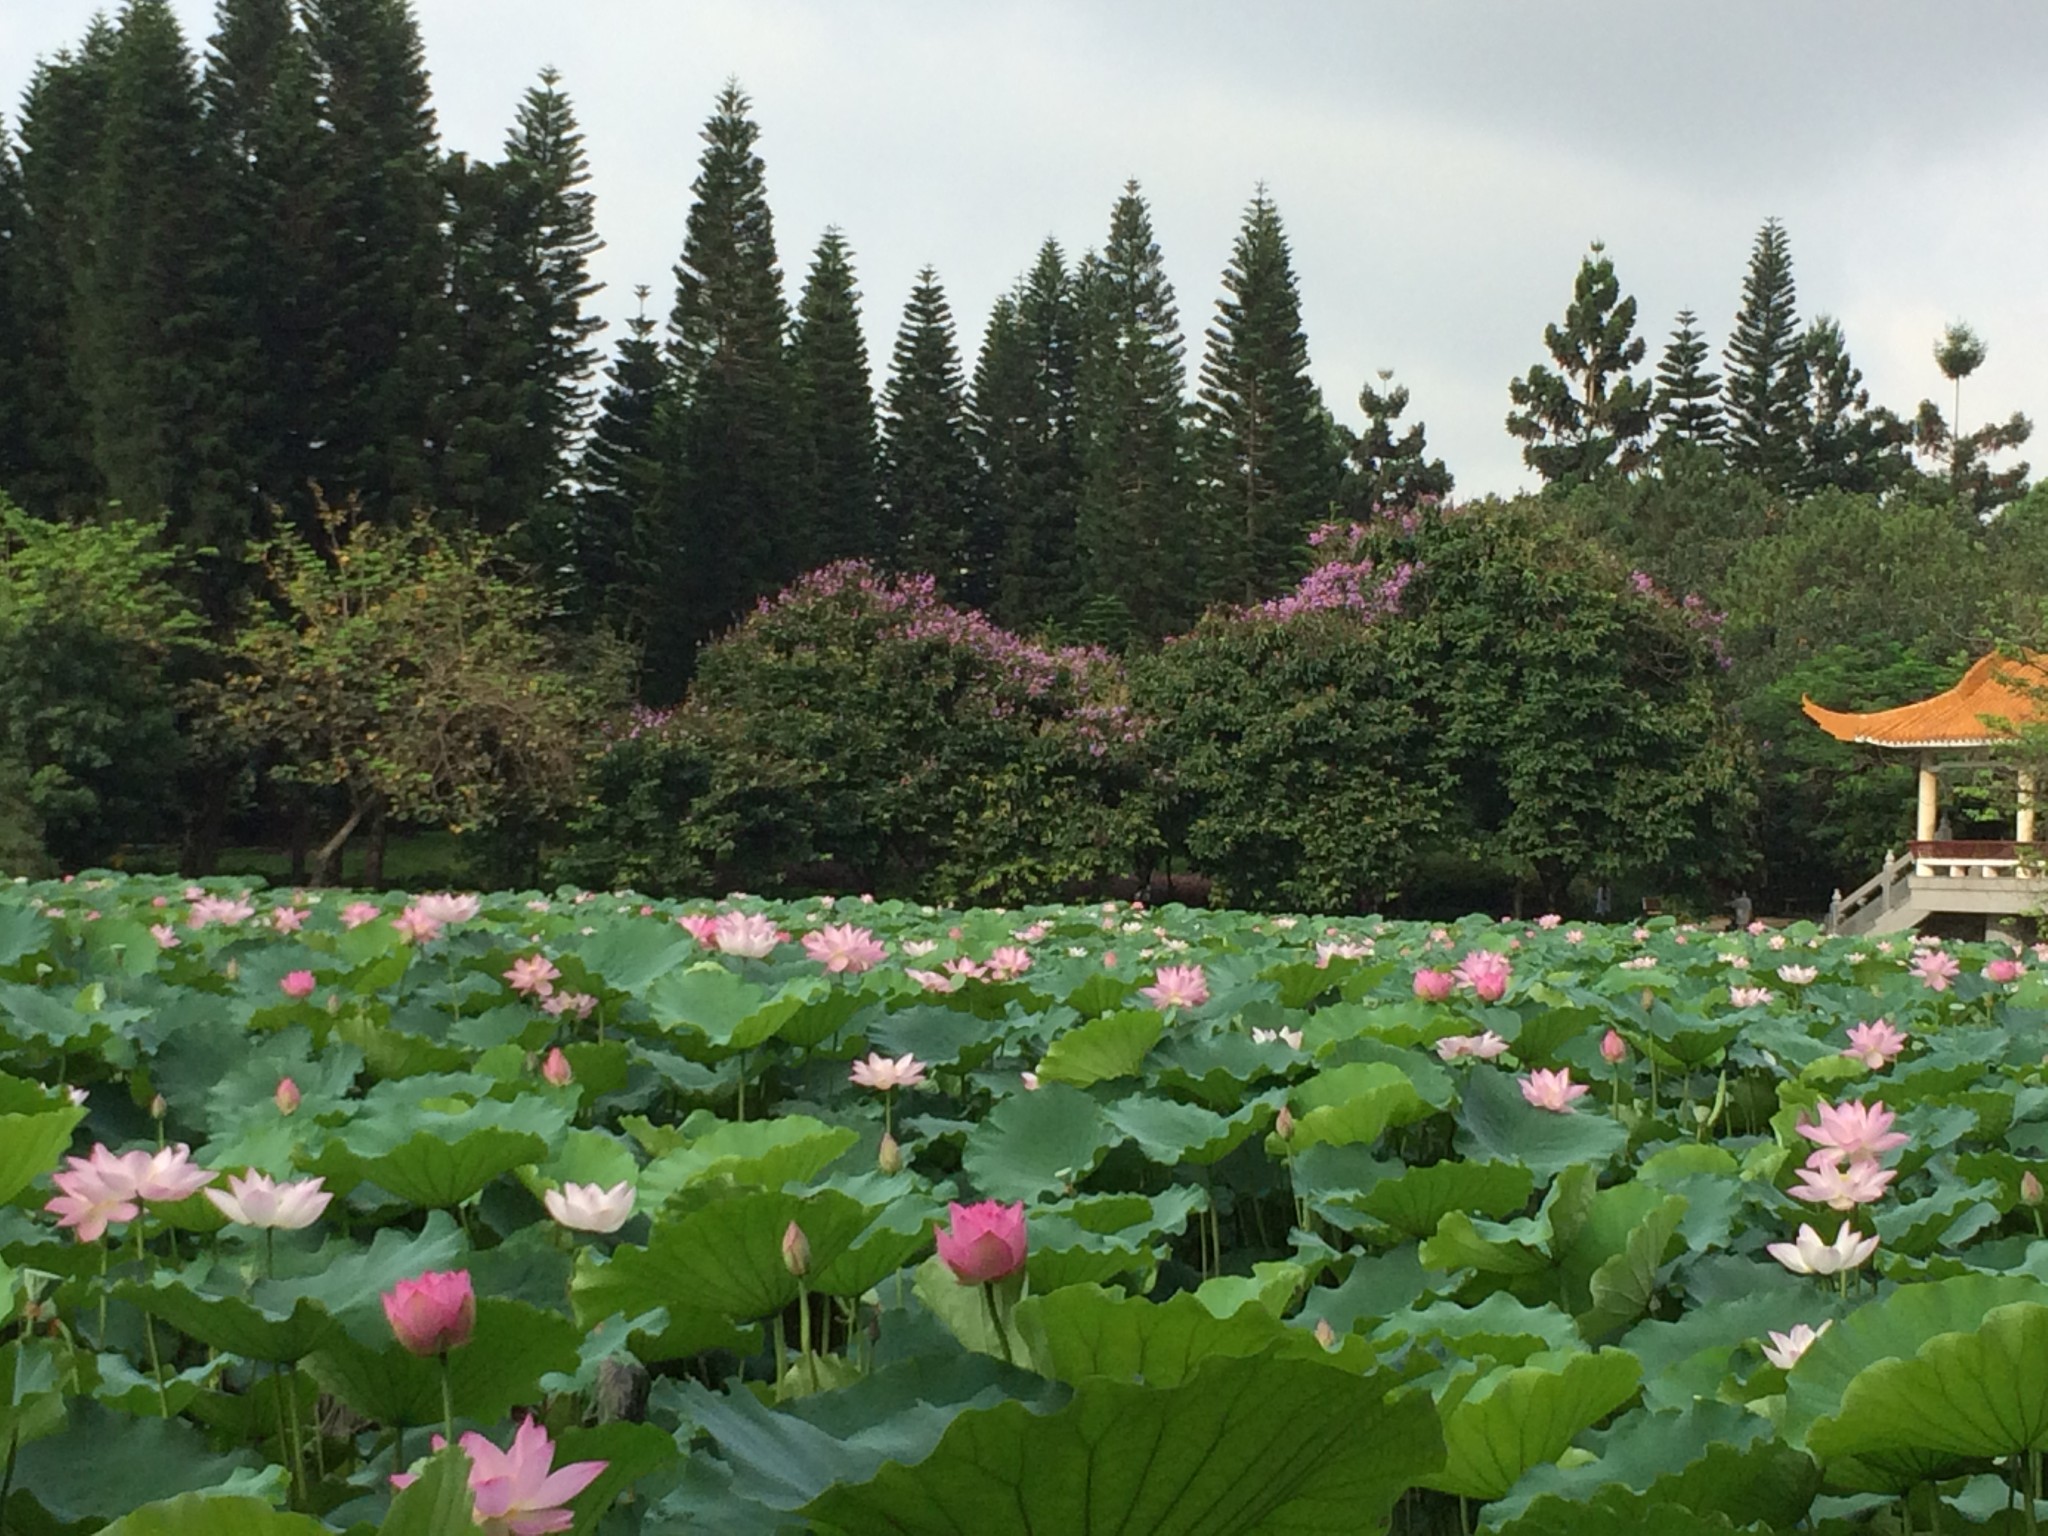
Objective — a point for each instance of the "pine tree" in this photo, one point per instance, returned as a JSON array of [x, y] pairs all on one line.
[[14, 404], [731, 470], [1843, 442], [1024, 427], [621, 478], [62, 117], [1761, 391], [1388, 472], [487, 464], [149, 317], [1688, 394], [377, 338], [1591, 415], [1269, 460], [835, 411], [1138, 538], [931, 482]]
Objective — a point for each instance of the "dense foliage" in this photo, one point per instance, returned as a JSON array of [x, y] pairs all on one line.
[[847, 1216]]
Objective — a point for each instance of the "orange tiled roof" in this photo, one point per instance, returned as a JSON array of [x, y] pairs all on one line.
[[1995, 688]]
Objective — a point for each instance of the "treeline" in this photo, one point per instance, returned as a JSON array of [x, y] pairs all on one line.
[[240, 291]]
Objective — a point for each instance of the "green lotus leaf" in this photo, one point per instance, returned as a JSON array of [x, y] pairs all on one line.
[[22, 933], [1241, 1445], [630, 956], [1500, 1423], [103, 1464], [1170, 1133], [199, 1514], [439, 1504], [1415, 1201], [32, 1145], [233, 1324], [514, 1345], [1109, 1047], [1458, 1243], [1621, 1288], [932, 1033], [1085, 1331], [431, 1170], [1502, 1327], [1032, 1144], [1271, 1287], [710, 1001], [1496, 1122], [764, 1153]]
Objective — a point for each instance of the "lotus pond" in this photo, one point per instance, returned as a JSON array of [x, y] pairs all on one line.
[[863, 1217]]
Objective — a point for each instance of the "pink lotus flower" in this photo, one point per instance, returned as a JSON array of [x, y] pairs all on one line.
[[2003, 971], [1874, 1044], [1008, 962], [357, 913], [1852, 1130], [985, 1242], [167, 1175], [165, 935], [287, 919], [1785, 1349], [298, 985], [1291, 1038], [1936, 968], [1434, 986], [1828, 1180], [441, 908], [917, 949], [1549, 920], [589, 1208], [225, 910], [1749, 997], [845, 949], [514, 1492], [1486, 973], [287, 1096], [1484, 1046], [1029, 1080], [533, 975], [255, 1200], [1797, 975], [432, 1313], [963, 969], [582, 1004], [748, 935], [1613, 1049], [555, 1068], [1808, 1255], [702, 926], [1176, 986], [416, 927], [1553, 1091], [97, 1190], [879, 1072], [932, 981]]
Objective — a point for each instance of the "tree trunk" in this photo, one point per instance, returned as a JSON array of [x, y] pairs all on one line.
[[209, 820], [373, 856], [328, 855]]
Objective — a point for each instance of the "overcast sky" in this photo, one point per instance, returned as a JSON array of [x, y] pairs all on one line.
[[1440, 168]]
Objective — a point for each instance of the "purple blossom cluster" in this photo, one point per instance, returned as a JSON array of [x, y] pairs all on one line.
[[1358, 586], [1702, 620]]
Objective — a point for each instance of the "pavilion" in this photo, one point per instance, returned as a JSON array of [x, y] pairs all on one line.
[[1970, 728]]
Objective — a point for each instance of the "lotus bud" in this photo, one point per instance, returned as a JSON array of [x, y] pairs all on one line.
[[1325, 1334], [796, 1251], [2030, 1188], [1613, 1048], [1283, 1124], [556, 1069], [158, 1108], [1649, 998], [890, 1158], [287, 1096]]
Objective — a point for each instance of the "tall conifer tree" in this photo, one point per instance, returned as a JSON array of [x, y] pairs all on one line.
[[1688, 392], [731, 475], [1591, 414], [14, 405], [621, 478], [1270, 462], [835, 411], [1024, 425], [1389, 472], [1761, 391], [931, 482], [1844, 442], [1138, 537], [62, 117]]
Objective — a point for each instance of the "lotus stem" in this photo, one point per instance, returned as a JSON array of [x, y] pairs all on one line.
[[803, 1333], [285, 1449], [781, 1352], [156, 1365], [995, 1318], [102, 1336], [447, 1400]]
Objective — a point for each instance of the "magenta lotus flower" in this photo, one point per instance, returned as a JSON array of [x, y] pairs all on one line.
[[1827, 1179], [255, 1200], [1484, 1046], [1852, 1130], [1874, 1044], [984, 1242], [1808, 1255], [1434, 986], [1486, 973], [1177, 986], [298, 985], [747, 935], [1554, 1091], [432, 1313], [589, 1207], [1936, 968], [1785, 1349], [880, 1072], [2004, 971], [532, 975], [844, 949], [514, 1492], [555, 1069]]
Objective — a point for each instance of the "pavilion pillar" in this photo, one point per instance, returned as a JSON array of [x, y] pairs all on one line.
[[2025, 830], [1930, 795]]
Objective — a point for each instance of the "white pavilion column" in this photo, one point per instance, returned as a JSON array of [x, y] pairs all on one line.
[[1930, 794], [2025, 829]]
